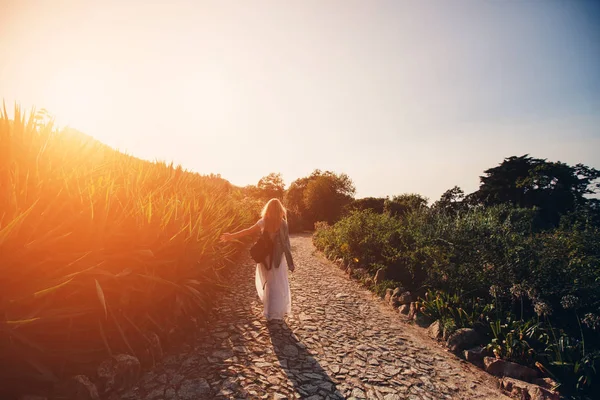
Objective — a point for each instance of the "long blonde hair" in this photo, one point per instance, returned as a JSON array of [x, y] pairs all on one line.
[[273, 213]]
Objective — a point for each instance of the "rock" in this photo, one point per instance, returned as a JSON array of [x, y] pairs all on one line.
[[475, 355], [290, 350], [379, 276], [524, 390], [118, 372], [503, 368], [405, 298], [358, 393], [462, 339], [435, 330], [397, 292], [222, 354], [404, 309], [394, 302], [193, 389], [32, 397], [412, 312], [81, 388], [546, 383], [388, 295]]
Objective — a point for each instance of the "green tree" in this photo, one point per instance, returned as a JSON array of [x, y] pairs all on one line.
[[450, 201], [271, 186], [554, 187], [400, 205], [319, 197], [375, 204]]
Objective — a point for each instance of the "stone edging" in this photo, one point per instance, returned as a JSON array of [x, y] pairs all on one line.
[[516, 380]]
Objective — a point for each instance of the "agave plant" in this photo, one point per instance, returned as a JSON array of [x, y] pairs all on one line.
[[98, 249]]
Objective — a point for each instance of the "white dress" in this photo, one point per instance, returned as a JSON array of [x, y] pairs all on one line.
[[273, 287]]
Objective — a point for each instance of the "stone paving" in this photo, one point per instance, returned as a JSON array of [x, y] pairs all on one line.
[[341, 342]]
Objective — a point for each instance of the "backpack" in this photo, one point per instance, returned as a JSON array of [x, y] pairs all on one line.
[[262, 248]]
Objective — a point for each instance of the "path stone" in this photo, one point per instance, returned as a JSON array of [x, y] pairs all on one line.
[[341, 342]]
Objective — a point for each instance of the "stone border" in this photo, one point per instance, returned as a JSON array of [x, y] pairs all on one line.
[[516, 380]]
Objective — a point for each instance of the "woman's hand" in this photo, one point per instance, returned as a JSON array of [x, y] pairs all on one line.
[[226, 237], [292, 268]]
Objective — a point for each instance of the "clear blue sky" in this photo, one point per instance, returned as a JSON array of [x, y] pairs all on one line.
[[404, 96]]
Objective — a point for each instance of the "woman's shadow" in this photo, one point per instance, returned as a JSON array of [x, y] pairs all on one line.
[[302, 369]]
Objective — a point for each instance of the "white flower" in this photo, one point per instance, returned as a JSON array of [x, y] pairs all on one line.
[[592, 321], [569, 302], [518, 290], [495, 291], [542, 308]]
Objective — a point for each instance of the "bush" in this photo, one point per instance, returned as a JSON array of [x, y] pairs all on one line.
[[507, 275]]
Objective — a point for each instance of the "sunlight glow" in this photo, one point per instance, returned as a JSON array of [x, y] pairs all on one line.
[[77, 97]]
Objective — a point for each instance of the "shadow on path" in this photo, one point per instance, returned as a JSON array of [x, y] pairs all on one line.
[[308, 377]]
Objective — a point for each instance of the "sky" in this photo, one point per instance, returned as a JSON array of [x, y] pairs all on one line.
[[403, 96]]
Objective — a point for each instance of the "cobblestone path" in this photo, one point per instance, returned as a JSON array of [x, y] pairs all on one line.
[[341, 342]]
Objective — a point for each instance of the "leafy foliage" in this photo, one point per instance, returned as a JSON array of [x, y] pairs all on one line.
[[271, 186], [376, 204], [510, 266], [554, 187], [322, 196]]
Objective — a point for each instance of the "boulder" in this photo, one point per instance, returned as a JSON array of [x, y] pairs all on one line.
[[503, 368], [524, 390], [404, 309], [464, 338], [435, 330], [546, 383], [118, 372], [80, 387], [379, 276], [412, 312], [388, 295], [405, 298], [475, 355]]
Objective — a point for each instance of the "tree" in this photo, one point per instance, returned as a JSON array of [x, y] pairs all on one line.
[[271, 186], [400, 205], [368, 203], [319, 197], [554, 187], [450, 201]]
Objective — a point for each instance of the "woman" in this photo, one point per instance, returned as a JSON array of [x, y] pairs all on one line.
[[272, 283]]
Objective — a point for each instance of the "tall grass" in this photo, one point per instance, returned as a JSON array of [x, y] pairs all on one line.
[[99, 249]]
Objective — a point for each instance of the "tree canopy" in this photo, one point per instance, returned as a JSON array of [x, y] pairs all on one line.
[[554, 187], [319, 197]]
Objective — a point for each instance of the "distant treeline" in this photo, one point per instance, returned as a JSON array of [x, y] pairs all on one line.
[[553, 189]]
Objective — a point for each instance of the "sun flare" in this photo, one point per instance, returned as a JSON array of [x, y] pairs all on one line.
[[77, 97]]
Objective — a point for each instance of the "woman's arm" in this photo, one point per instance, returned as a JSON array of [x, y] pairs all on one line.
[[226, 237]]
